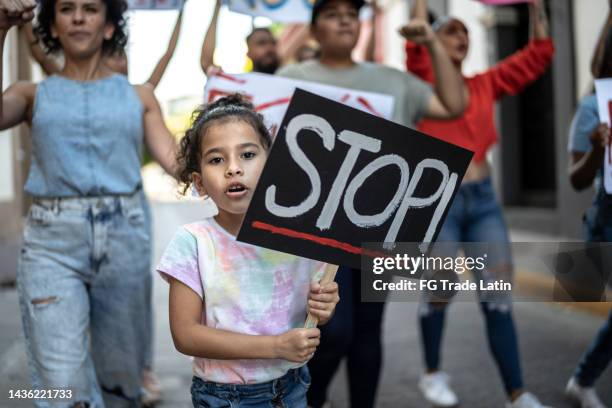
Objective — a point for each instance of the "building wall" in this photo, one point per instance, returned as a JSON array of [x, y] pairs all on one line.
[[7, 173], [396, 15], [587, 26], [570, 204], [12, 156]]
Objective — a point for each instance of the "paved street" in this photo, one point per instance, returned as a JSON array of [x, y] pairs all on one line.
[[552, 339]]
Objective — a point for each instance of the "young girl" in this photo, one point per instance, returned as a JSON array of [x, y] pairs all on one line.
[[235, 307]]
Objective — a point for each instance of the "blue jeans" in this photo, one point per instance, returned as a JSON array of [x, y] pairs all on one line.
[[353, 332], [288, 391], [84, 285], [597, 220], [598, 228], [475, 216]]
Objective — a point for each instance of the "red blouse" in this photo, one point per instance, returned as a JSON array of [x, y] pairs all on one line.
[[475, 129]]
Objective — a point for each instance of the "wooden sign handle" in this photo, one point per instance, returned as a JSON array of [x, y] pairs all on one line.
[[328, 276]]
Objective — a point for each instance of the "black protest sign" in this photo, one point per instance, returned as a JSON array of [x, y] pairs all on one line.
[[337, 177]]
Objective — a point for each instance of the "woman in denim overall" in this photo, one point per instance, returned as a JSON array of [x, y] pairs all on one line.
[[84, 277], [587, 142]]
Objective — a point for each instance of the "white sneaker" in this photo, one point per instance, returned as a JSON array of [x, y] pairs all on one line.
[[436, 389], [585, 396], [526, 400]]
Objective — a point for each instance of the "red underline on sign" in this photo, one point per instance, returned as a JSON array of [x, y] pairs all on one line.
[[367, 105], [329, 242], [230, 78]]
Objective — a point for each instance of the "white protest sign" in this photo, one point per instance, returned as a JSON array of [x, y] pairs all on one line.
[[271, 95], [603, 88], [282, 11], [155, 4]]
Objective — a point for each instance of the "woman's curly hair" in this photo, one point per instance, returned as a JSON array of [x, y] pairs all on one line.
[[234, 107], [115, 10]]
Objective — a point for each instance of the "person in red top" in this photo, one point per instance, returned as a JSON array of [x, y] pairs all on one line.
[[475, 215], [475, 129]]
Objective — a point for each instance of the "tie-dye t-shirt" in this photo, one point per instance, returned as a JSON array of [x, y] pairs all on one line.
[[245, 289]]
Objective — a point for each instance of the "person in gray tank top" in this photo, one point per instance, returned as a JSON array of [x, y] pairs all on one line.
[[84, 277]]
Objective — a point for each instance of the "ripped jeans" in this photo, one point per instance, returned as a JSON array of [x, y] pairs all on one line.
[[84, 285], [476, 217]]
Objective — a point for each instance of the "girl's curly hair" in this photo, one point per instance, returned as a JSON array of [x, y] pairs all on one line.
[[234, 107], [115, 10]]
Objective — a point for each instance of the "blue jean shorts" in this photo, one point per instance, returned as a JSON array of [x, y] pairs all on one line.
[[84, 285], [288, 391]]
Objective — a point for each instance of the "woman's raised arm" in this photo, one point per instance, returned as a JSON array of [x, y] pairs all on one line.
[[17, 99]]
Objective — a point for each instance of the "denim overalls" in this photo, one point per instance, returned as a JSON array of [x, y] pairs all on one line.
[[84, 277]]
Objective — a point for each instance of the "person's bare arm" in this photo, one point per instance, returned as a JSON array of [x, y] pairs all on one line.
[[161, 66], [448, 101], [18, 98], [17, 102], [210, 40], [48, 65], [286, 52], [193, 338], [584, 166], [158, 139], [539, 20], [370, 53], [418, 11], [601, 44]]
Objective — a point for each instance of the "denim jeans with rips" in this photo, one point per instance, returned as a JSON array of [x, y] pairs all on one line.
[[84, 284]]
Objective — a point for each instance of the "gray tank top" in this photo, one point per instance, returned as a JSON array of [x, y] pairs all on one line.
[[86, 138]]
